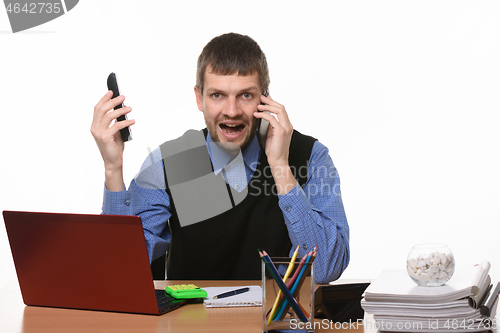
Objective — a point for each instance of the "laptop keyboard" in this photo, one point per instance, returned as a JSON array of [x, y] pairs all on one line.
[[167, 303]]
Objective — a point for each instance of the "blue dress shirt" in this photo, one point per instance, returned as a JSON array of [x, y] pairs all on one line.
[[314, 215]]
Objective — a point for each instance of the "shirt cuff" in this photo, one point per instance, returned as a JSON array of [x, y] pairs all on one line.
[[295, 205], [116, 202]]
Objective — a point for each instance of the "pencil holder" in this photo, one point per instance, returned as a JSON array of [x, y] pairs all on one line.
[[290, 308]]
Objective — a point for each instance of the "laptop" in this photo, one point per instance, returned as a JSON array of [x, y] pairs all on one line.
[[78, 261]]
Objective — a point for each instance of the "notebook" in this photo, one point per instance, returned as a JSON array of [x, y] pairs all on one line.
[[93, 262], [251, 298]]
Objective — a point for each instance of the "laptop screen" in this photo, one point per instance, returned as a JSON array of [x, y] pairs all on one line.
[[96, 262]]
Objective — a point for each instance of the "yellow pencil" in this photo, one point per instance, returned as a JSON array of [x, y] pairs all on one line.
[[287, 274]]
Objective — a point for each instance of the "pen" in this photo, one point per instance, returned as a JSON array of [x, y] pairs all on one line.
[[231, 293]]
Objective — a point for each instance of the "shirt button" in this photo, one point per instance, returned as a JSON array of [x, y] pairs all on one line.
[[127, 202], [237, 186], [304, 246], [287, 208]]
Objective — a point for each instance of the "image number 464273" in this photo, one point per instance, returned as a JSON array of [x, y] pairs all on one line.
[[24, 15]]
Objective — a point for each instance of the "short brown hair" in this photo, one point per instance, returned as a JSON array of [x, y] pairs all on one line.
[[233, 53]]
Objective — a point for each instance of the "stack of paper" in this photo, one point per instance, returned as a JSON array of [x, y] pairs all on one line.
[[400, 305]]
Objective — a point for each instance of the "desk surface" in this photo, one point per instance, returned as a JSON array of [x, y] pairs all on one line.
[[16, 317]]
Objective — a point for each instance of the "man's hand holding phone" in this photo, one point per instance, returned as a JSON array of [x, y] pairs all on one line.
[[106, 132], [278, 140]]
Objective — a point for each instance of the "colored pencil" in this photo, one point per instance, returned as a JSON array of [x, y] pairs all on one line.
[[276, 276], [290, 283], [287, 274], [298, 284], [285, 305]]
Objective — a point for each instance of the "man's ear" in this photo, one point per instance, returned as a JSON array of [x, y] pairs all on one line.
[[199, 98]]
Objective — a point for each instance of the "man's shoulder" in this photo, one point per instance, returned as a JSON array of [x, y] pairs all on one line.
[[302, 141], [298, 136], [191, 139], [301, 145]]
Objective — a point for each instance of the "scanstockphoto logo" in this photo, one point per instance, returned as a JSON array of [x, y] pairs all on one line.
[[25, 15]]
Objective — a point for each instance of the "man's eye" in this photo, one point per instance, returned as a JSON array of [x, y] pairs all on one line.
[[247, 95], [216, 95]]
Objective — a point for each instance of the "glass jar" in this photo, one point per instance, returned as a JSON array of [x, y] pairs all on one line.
[[430, 265]]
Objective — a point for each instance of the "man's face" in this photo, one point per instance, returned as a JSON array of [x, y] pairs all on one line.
[[228, 103]]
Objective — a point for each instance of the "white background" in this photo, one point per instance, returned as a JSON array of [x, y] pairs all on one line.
[[404, 94]]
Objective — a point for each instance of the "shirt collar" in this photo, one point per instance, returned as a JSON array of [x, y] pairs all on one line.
[[220, 158]]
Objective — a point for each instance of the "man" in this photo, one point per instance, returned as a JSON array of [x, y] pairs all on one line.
[[212, 198]]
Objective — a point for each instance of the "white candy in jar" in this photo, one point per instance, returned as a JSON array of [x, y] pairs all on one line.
[[431, 268]]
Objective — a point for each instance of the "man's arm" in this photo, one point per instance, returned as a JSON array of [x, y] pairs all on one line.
[[147, 198], [314, 215], [311, 220]]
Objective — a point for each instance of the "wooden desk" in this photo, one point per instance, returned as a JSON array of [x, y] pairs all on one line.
[[16, 317]]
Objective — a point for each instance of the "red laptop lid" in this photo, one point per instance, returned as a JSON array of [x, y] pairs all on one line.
[[95, 262]]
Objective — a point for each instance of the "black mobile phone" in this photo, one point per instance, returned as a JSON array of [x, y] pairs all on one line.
[[125, 133], [261, 128]]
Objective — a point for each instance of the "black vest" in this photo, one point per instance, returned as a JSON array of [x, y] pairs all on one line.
[[225, 246]]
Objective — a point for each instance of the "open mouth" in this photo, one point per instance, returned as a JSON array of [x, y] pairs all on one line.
[[231, 128]]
